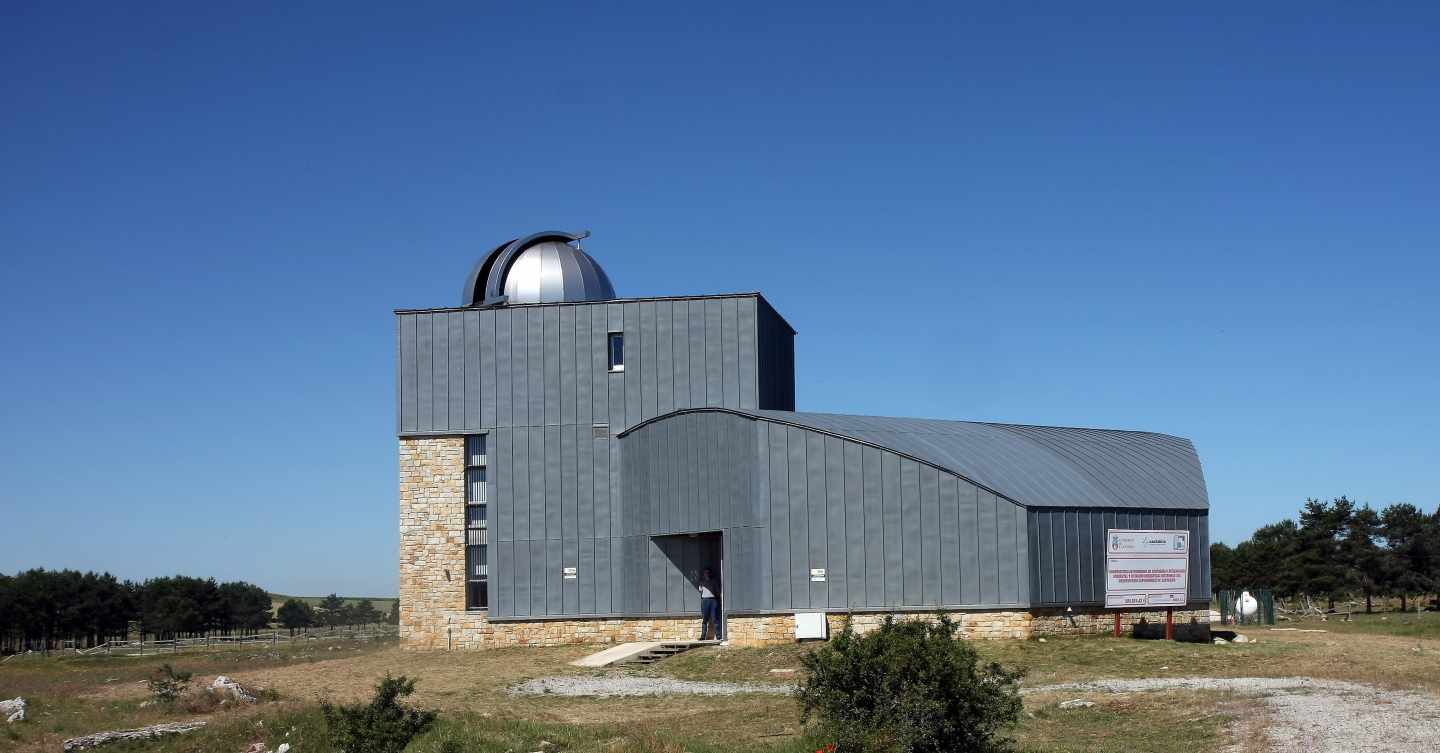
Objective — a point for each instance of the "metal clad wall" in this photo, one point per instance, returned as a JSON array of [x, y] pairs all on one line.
[[1068, 550], [1036, 466], [775, 352], [537, 378], [887, 530]]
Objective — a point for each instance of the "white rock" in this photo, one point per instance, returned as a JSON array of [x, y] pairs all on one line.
[[284, 748], [235, 689], [1078, 703], [144, 733], [13, 710]]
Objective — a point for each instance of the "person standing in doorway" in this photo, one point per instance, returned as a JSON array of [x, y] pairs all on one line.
[[709, 606]]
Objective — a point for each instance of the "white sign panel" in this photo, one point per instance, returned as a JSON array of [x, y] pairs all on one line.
[[817, 575], [568, 573], [1146, 568]]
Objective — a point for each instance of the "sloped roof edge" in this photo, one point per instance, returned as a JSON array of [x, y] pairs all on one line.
[[1035, 466]]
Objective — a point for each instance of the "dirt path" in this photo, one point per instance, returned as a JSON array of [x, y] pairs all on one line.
[[1310, 715], [611, 687]]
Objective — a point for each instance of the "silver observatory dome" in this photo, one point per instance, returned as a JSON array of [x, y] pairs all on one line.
[[540, 268]]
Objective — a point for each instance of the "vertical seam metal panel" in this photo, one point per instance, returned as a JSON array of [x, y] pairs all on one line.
[[948, 500], [762, 514], [799, 514], [854, 525], [912, 542], [696, 314], [780, 517], [649, 387], [664, 362], [969, 518], [871, 478], [714, 395], [748, 361], [487, 368], [424, 368], [930, 536], [729, 352], [836, 540], [474, 380], [680, 352], [817, 506], [894, 548]]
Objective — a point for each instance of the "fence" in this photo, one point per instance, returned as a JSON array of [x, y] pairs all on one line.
[[211, 642], [1264, 612]]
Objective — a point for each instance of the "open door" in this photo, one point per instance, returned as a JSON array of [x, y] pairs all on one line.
[[687, 555]]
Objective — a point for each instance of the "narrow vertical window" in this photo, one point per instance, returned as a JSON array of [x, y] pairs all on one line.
[[477, 531], [616, 347]]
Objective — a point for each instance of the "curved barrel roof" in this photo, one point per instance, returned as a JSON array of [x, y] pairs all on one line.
[[1036, 466]]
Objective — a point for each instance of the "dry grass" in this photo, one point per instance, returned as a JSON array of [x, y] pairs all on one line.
[[71, 697], [1137, 723], [1421, 625], [1388, 661]]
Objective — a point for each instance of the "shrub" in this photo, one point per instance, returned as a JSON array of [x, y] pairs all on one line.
[[167, 684], [383, 725], [203, 702], [908, 687]]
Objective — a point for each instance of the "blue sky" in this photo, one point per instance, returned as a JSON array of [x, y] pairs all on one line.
[[1222, 226]]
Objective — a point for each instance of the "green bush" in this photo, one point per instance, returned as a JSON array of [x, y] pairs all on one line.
[[167, 684], [383, 725], [908, 687]]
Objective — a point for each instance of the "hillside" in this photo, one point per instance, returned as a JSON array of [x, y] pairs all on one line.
[[381, 603]]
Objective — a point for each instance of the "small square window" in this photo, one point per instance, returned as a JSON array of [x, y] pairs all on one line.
[[616, 348]]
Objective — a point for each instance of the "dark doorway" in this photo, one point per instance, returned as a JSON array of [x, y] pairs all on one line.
[[687, 555]]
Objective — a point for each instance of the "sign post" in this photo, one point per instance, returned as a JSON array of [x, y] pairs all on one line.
[[1146, 569]]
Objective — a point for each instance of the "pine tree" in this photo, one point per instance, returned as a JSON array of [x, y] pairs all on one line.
[[294, 614]]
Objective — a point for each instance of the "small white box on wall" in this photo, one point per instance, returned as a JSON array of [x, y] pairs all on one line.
[[809, 625]]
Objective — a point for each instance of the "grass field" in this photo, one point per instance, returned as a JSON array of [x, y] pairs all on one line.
[[72, 696], [1409, 624]]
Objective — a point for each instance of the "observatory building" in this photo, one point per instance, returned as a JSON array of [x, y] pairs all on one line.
[[572, 461]]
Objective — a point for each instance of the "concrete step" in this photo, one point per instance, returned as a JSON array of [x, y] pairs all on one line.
[[647, 652]]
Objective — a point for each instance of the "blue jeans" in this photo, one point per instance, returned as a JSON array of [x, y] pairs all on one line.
[[710, 619]]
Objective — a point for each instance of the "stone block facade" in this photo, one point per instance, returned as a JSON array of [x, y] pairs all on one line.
[[432, 538], [1059, 622], [432, 585]]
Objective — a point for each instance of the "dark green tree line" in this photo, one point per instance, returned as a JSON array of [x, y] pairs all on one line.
[[43, 608], [1338, 549]]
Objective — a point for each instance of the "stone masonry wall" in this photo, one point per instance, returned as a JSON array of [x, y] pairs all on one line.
[[1057, 622], [432, 579], [458, 629], [432, 544]]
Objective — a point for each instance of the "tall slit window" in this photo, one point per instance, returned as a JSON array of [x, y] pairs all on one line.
[[615, 344], [477, 531]]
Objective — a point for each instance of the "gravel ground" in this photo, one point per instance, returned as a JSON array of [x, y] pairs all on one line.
[[1309, 715], [640, 686]]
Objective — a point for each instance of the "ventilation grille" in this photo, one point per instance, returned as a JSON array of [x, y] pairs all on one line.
[[600, 431]]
